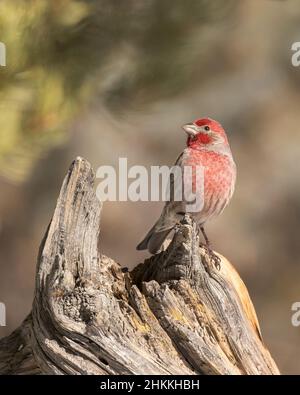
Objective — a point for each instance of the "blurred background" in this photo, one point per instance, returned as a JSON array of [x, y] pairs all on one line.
[[113, 78]]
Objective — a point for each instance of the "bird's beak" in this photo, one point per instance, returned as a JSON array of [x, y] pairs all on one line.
[[190, 129]]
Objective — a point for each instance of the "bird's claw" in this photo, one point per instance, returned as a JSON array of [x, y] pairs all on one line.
[[212, 258], [204, 246], [215, 260]]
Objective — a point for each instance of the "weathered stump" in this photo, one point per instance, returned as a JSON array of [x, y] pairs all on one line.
[[168, 316]]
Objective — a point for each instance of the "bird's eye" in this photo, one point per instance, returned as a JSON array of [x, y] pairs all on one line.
[[207, 128]]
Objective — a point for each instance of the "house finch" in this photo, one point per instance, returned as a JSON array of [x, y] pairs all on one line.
[[208, 147]]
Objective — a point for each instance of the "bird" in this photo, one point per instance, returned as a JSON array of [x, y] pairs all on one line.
[[207, 147]]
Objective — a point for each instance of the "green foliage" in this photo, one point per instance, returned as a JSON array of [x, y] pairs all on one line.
[[62, 53]]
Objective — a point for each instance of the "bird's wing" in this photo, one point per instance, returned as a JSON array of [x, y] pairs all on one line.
[[191, 182], [176, 178], [169, 216]]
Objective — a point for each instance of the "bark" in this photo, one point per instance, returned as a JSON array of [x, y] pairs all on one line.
[[173, 314]]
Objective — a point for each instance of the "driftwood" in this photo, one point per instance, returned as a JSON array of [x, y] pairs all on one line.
[[170, 315]]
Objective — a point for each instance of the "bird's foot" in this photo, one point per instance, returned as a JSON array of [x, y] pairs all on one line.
[[204, 246], [210, 258], [215, 259]]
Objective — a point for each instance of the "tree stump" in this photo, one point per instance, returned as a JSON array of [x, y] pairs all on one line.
[[170, 315]]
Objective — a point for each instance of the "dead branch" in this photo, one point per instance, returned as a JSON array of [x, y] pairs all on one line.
[[168, 316]]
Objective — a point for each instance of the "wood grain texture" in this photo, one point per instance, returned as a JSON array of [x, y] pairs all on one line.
[[173, 314]]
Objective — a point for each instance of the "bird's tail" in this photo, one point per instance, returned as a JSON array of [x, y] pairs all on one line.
[[154, 238]]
